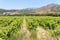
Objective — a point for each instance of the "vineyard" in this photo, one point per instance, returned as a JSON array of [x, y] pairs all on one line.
[[10, 25]]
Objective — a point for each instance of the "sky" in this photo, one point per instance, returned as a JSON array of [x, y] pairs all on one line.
[[22, 4]]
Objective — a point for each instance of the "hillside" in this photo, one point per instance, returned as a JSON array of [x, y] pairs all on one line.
[[47, 9], [50, 8]]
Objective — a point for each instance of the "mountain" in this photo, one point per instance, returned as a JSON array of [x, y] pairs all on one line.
[[48, 9], [4, 10]]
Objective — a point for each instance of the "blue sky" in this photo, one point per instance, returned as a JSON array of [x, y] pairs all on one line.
[[22, 4]]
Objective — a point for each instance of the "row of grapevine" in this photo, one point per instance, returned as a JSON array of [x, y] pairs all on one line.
[[49, 23], [9, 25], [46, 22]]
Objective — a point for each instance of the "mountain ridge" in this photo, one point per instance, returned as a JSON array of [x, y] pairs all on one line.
[[47, 9]]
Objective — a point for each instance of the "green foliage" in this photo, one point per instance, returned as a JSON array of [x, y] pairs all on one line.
[[49, 23], [9, 26]]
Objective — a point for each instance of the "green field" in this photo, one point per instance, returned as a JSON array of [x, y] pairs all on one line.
[[16, 27]]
